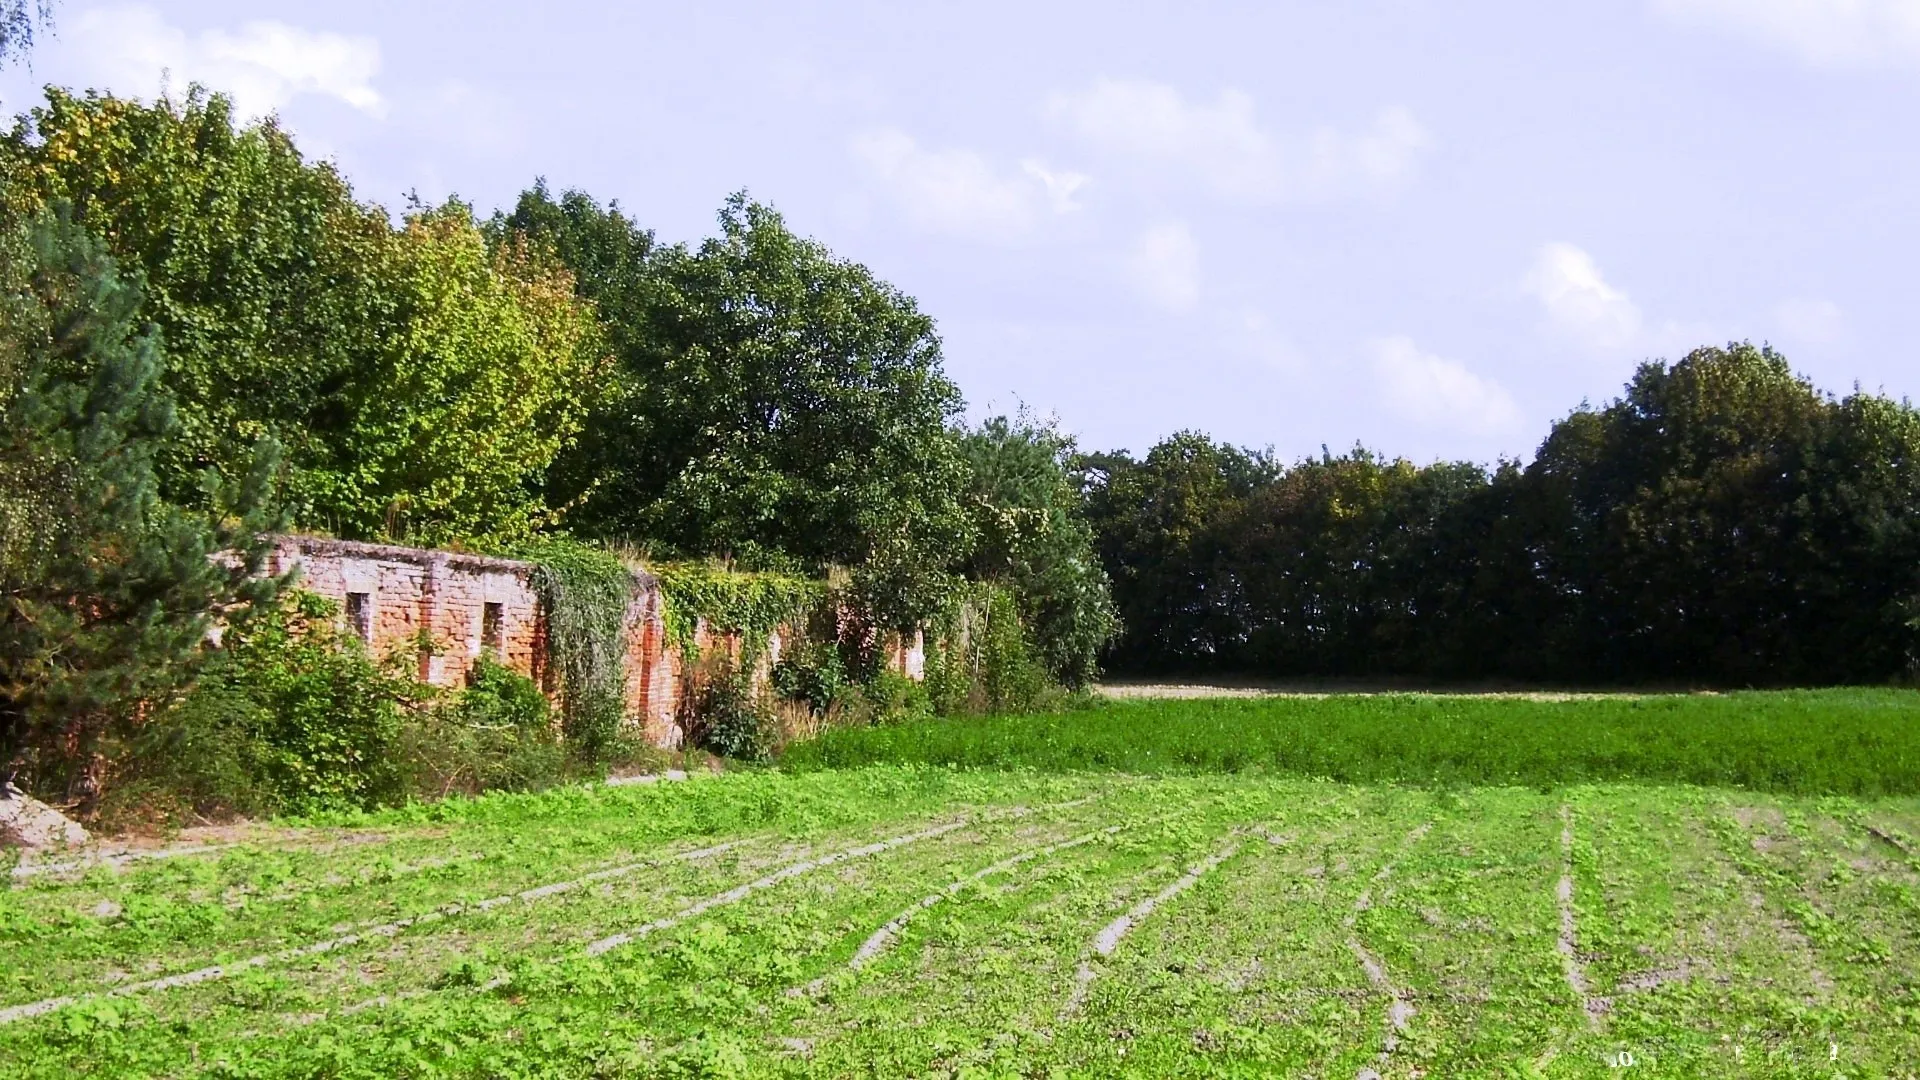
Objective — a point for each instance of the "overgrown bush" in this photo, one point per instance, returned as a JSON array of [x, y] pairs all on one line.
[[980, 658], [812, 672], [890, 696], [728, 715], [295, 704], [497, 733]]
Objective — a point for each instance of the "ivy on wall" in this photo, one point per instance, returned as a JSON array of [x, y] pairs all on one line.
[[752, 605], [587, 592]]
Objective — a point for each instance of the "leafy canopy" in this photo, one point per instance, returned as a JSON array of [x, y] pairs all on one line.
[[420, 382], [771, 401]]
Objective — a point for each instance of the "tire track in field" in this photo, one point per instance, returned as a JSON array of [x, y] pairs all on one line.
[[1399, 1009], [1110, 936], [808, 866], [216, 972], [1778, 895], [1567, 941], [882, 939], [785, 873]]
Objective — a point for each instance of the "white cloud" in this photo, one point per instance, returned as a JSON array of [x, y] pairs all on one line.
[[1061, 186], [1223, 146], [1165, 267], [1823, 33], [1435, 392], [263, 65], [961, 192], [1578, 301], [1813, 322]]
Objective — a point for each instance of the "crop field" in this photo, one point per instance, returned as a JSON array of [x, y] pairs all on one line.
[[913, 919]]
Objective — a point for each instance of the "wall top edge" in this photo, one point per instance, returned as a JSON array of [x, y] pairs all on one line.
[[323, 546]]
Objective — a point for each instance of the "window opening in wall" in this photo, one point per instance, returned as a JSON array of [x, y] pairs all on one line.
[[490, 615], [360, 615]]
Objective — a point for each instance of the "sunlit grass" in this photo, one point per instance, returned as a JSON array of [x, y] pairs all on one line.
[[1852, 742]]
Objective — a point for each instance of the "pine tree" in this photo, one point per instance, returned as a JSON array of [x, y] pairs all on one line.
[[107, 592]]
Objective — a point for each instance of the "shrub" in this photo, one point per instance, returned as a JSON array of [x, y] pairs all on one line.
[[812, 672], [496, 733], [294, 704], [981, 659], [727, 714], [891, 696]]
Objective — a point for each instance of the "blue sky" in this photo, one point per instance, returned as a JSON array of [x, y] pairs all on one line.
[[1429, 227]]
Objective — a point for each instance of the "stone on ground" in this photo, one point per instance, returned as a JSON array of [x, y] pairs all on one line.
[[27, 822]]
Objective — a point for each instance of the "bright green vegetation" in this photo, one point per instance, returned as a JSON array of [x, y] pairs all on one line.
[[1717, 954], [1813, 742], [207, 337], [1710, 931]]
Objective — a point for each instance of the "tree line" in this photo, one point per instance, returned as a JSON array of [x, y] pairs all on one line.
[[1722, 522], [209, 336], [206, 336]]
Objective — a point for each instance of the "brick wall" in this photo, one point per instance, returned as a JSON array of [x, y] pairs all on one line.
[[437, 611]]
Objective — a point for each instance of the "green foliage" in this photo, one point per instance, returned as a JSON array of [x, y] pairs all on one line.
[[729, 716], [750, 606], [497, 734], [481, 382], [420, 382], [1820, 742], [979, 657], [1722, 522], [606, 250], [813, 672], [1031, 533], [772, 402], [106, 590], [588, 592], [319, 722], [1156, 524]]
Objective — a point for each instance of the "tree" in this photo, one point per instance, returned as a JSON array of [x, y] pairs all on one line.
[[419, 384], [1031, 533], [1156, 523], [19, 19], [448, 429], [107, 591], [1725, 520], [772, 402], [1350, 565]]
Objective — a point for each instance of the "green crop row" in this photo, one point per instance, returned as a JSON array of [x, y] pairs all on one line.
[[1849, 742]]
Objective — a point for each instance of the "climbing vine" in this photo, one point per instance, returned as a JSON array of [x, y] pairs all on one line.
[[750, 605], [587, 592]]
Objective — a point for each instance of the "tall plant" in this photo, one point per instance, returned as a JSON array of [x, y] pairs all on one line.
[[587, 593], [107, 590]]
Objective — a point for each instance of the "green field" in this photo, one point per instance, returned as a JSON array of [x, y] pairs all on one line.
[[1102, 909], [1818, 742]]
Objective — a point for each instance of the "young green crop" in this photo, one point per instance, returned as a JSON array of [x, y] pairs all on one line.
[[1833, 741], [923, 920]]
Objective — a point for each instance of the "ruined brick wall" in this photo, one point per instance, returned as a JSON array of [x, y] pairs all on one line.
[[439, 610], [473, 604]]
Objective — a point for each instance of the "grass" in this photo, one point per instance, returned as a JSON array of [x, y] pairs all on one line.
[[1709, 930], [1855, 742]]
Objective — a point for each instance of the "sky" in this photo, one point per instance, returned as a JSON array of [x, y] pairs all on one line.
[[1428, 227]]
